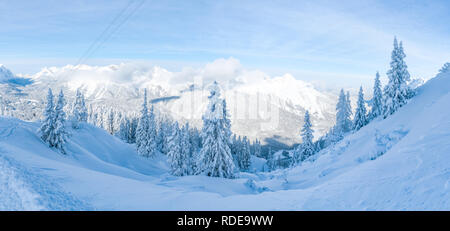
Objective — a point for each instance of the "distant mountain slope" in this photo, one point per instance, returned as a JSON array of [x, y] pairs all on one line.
[[260, 106]]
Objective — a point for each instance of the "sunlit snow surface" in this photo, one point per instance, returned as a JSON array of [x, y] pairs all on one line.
[[400, 163]]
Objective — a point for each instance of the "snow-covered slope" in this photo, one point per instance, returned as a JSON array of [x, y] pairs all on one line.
[[400, 163]]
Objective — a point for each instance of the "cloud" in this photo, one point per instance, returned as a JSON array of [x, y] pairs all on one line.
[[227, 71]]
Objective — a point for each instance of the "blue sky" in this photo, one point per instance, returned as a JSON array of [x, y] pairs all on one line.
[[324, 41]]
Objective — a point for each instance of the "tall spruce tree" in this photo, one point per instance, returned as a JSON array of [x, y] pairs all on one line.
[[360, 119], [397, 91], [377, 106], [142, 133], [49, 117], [110, 122], [348, 107], [343, 114], [79, 112], [176, 156], [244, 155], [189, 148], [215, 156], [58, 135], [306, 148], [257, 149], [152, 132]]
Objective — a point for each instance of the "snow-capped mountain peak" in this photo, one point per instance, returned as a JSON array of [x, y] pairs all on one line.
[[5, 74]]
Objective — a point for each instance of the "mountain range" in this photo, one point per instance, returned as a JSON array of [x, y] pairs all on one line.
[[261, 107]]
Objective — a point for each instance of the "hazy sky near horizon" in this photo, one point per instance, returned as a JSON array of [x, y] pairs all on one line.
[[336, 42]]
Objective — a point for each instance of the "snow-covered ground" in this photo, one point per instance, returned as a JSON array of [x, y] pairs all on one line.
[[400, 163]]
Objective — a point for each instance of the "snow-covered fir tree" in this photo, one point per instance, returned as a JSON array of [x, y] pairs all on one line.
[[306, 148], [360, 119], [177, 155], [132, 129], [110, 122], [187, 151], [117, 120], [234, 146], [152, 132], [195, 138], [377, 106], [244, 155], [348, 107], [49, 117], [59, 136], [257, 149], [397, 91], [55, 128], [168, 126], [215, 156], [143, 145], [79, 112], [160, 136], [124, 128], [101, 118], [343, 121]]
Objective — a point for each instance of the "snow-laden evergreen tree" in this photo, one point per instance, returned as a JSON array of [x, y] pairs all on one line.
[[57, 135], [397, 91], [124, 128], [187, 149], [244, 155], [348, 107], [377, 106], [307, 147], [160, 137], [49, 117], [152, 132], [257, 149], [117, 121], [177, 156], [343, 114], [406, 76], [360, 119], [101, 120], [132, 130], [110, 122], [167, 131], [143, 144], [233, 147], [195, 139], [79, 110], [215, 156]]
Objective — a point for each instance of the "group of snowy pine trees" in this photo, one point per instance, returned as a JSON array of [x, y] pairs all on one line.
[[242, 150], [385, 102], [53, 128], [212, 152]]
